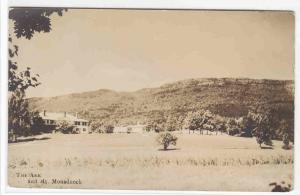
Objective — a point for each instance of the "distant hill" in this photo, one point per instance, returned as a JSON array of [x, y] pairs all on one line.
[[224, 96]]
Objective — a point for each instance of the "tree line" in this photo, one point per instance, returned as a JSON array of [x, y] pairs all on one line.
[[264, 126]]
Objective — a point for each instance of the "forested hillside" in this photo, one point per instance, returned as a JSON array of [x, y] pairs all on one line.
[[226, 97]]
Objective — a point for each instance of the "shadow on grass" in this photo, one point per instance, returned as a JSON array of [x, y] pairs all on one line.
[[287, 147], [169, 149], [30, 139], [266, 147]]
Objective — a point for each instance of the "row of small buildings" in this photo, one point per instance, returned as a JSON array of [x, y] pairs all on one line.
[[82, 126]]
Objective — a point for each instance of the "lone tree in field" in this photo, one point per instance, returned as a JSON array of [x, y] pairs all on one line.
[[165, 139], [26, 22], [263, 131]]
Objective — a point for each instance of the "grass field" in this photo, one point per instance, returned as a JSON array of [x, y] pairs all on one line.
[[134, 161]]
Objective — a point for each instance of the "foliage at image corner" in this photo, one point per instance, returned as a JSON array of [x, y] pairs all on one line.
[[26, 21], [281, 187]]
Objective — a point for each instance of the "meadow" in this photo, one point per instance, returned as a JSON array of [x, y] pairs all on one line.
[[135, 162]]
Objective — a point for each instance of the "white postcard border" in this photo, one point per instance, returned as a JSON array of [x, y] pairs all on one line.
[[291, 5]]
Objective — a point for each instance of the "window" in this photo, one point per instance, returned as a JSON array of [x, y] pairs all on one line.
[[81, 123], [84, 129], [49, 122]]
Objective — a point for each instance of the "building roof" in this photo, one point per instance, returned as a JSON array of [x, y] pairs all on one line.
[[60, 116]]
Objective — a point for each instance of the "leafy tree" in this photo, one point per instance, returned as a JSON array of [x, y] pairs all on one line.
[[22, 122], [156, 122], [129, 130], [109, 128], [19, 80], [26, 22], [66, 127], [155, 125], [180, 121], [165, 139], [171, 124], [147, 128], [97, 126], [37, 123], [263, 132], [192, 121], [19, 116], [248, 123], [287, 133], [276, 114], [196, 120], [219, 123], [233, 126]]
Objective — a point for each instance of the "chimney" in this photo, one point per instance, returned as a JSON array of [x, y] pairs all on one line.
[[65, 114], [76, 114], [44, 112]]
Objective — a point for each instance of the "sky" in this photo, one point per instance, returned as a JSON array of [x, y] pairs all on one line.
[[126, 50]]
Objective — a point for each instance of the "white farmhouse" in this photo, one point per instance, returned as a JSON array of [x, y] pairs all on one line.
[[52, 118]]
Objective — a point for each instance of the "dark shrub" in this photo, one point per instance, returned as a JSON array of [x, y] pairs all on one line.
[[165, 139], [109, 129], [65, 127]]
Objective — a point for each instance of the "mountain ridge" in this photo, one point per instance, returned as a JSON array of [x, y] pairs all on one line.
[[149, 88], [224, 96]]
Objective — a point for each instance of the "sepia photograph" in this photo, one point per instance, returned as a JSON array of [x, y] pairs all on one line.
[[151, 99]]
